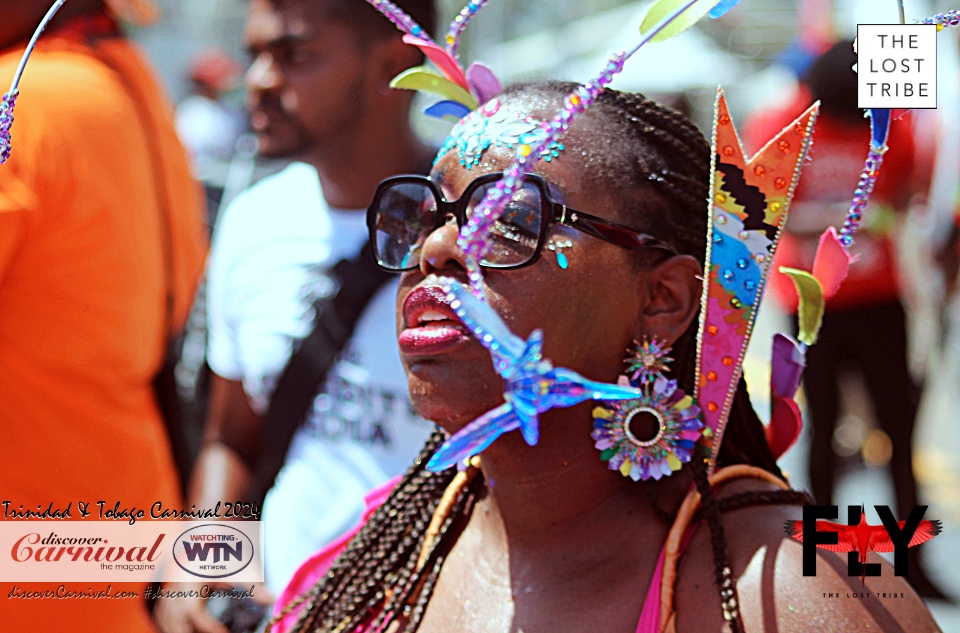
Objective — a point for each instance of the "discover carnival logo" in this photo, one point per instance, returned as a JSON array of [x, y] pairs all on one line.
[[54, 548], [213, 551], [117, 551]]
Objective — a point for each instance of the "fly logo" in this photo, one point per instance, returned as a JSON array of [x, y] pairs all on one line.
[[213, 551], [859, 537]]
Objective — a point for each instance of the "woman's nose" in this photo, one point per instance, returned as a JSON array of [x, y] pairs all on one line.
[[440, 251]]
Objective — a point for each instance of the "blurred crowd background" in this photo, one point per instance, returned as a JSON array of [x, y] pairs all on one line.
[[748, 51]]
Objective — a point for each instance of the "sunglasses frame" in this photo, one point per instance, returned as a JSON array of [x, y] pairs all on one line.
[[553, 211]]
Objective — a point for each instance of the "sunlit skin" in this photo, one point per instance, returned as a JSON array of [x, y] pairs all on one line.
[[558, 542], [589, 313], [555, 501], [542, 295]]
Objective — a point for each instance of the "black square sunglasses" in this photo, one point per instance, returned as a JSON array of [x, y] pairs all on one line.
[[407, 209]]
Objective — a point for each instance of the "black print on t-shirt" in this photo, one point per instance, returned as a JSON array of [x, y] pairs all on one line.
[[362, 413]]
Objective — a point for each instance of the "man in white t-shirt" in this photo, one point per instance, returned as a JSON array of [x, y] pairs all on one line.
[[271, 259], [320, 95]]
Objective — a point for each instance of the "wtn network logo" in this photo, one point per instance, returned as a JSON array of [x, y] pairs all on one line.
[[201, 550], [213, 551]]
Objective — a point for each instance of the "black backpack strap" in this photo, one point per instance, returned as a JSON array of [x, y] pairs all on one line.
[[334, 322]]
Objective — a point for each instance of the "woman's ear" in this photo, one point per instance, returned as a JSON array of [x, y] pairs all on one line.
[[672, 298]]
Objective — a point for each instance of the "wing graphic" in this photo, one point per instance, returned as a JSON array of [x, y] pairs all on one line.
[[846, 539], [881, 542]]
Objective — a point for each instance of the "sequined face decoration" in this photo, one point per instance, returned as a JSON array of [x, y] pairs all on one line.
[[499, 125]]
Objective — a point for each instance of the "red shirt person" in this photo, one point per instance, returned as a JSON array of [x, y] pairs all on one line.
[[823, 196]]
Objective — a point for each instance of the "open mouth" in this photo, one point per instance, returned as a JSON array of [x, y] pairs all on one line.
[[430, 324], [433, 318]]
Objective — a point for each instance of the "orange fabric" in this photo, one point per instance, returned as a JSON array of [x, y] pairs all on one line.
[[83, 300]]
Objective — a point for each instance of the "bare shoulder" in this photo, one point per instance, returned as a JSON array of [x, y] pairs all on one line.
[[773, 593]]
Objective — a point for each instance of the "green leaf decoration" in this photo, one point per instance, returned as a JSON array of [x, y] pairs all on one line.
[[810, 311], [420, 78], [662, 9]]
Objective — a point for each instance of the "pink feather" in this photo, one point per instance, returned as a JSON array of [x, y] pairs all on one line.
[[442, 59], [831, 263]]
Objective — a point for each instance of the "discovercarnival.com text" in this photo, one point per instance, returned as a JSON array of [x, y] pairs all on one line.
[[151, 593]]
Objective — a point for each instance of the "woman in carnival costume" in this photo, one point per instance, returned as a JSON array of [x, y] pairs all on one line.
[[622, 516]]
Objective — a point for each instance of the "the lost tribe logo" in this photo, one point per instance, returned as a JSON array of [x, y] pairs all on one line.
[[859, 538], [896, 66], [213, 551]]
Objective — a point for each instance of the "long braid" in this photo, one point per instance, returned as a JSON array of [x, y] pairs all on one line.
[[764, 498], [413, 577], [718, 540], [448, 534], [389, 542], [369, 568]]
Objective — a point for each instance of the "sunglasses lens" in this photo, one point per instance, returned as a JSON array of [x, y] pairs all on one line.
[[405, 214], [515, 235]]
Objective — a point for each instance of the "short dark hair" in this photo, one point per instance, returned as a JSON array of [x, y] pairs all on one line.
[[369, 23], [833, 83]]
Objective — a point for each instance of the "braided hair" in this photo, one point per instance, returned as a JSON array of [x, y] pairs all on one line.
[[657, 160]]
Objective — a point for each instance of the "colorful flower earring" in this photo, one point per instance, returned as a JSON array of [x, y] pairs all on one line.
[[618, 429]]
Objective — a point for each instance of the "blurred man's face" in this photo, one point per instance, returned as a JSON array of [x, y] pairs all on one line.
[[305, 79]]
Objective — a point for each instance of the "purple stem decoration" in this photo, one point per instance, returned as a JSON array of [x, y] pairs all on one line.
[[459, 24], [6, 122], [10, 98], [942, 20], [403, 21], [880, 124], [474, 236]]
